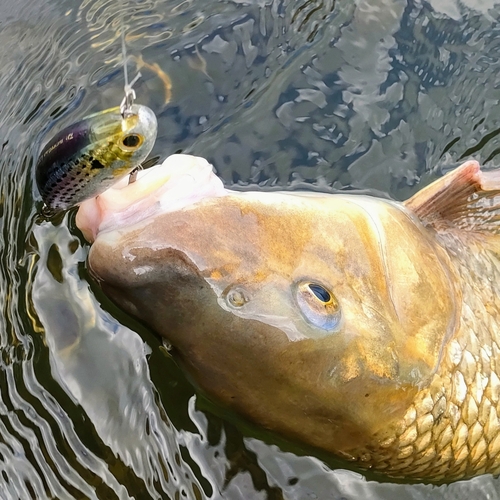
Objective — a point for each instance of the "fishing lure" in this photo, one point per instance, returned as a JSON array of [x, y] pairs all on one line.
[[88, 157]]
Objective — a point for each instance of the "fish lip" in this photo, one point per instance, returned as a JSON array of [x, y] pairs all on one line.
[[179, 182]]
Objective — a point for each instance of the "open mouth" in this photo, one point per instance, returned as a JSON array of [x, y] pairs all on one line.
[[180, 181]]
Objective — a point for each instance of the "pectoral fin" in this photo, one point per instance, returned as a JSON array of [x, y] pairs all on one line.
[[464, 200]]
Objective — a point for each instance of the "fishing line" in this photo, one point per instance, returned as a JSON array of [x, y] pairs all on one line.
[[124, 52], [128, 100]]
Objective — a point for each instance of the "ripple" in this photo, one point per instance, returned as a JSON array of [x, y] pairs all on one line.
[[316, 94]]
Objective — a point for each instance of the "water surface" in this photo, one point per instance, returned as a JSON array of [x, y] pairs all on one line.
[[379, 95]]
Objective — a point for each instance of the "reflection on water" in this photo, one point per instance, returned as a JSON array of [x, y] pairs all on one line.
[[372, 94], [102, 366]]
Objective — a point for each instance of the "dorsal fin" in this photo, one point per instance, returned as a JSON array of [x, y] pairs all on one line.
[[466, 199]]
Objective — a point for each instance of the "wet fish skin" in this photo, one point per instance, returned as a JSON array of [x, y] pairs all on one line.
[[86, 158], [406, 384]]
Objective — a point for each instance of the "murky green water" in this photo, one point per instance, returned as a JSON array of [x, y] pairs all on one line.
[[382, 95]]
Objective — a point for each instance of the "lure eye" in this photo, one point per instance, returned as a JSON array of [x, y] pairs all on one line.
[[132, 141], [319, 306]]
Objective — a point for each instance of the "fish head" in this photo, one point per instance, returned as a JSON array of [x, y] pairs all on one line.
[[317, 315]]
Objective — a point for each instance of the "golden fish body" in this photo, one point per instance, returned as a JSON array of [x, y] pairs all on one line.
[[360, 326], [452, 428]]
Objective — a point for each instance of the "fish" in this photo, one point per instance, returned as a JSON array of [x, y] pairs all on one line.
[[363, 327], [88, 157]]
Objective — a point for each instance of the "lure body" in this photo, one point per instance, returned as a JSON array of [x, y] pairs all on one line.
[[86, 158]]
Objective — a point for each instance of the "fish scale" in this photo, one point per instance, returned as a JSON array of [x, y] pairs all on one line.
[[452, 429]]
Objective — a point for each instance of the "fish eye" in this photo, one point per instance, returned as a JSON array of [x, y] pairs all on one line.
[[321, 293], [318, 305], [132, 141]]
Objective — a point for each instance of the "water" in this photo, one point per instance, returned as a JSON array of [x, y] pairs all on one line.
[[379, 95]]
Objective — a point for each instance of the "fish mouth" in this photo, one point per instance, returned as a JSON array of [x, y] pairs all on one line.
[[179, 182]]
